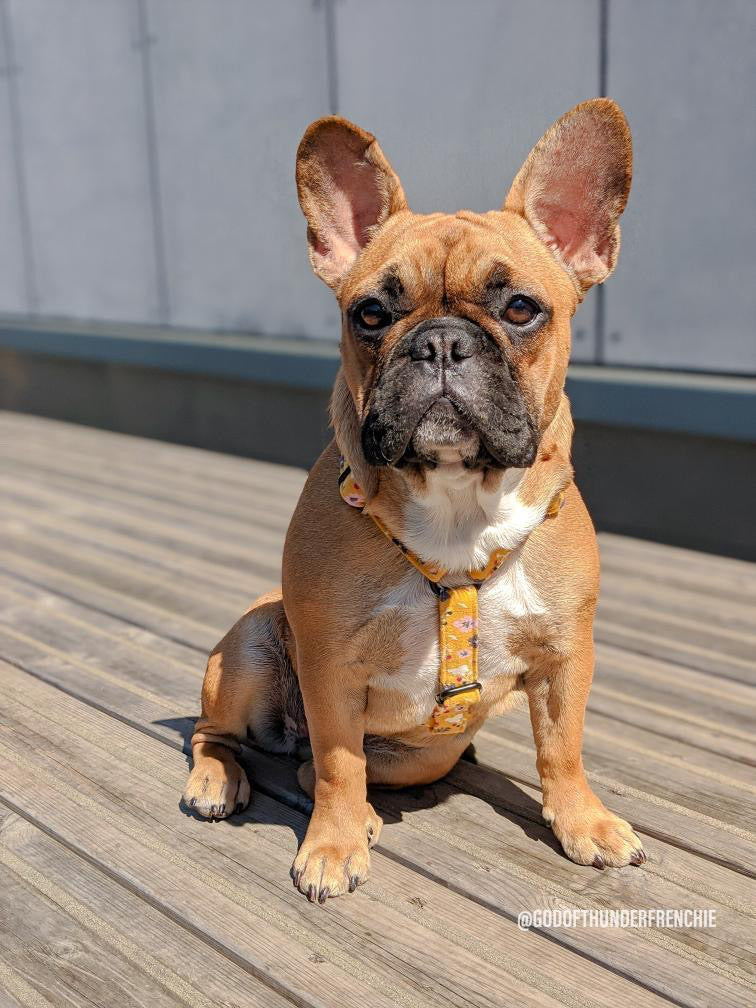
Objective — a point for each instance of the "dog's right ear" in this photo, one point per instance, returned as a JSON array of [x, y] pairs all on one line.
[[347, 189]]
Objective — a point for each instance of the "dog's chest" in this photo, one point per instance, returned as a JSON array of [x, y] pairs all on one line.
[[402, 696]]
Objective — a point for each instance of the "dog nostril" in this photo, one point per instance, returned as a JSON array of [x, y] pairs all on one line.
[[424, 349], [462, 347]]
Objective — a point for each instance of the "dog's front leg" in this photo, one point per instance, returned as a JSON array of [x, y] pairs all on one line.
[[557, 691], [334, 857]]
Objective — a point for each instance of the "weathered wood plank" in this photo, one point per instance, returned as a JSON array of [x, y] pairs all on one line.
[[76, 922], [707, 646], [224, 878], [147, 456], [208, 611], [73, 468], [659, 637], [178, 532], [171, 467], [60, 953], [690, 778], [79, 447], [471, 835], [15, 992], [680, 691], [179, 461], [713, 576], [131, 552], [647, 629], [687, 601], [270, 506]]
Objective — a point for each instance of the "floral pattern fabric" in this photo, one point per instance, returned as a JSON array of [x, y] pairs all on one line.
[[458, 667]]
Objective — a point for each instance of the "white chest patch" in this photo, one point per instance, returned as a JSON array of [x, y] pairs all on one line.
[[457, 524]]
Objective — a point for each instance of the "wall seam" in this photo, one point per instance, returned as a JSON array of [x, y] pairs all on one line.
[[11, 70], [599, 352], [144, 44], [331, 65]]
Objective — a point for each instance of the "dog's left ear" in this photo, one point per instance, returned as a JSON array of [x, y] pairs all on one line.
[[347, 189], [574, 186]]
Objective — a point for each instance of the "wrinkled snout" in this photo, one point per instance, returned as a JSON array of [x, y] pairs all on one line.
[[447, 383]]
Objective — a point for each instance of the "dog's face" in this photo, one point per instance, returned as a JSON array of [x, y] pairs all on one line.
[[456, 328]]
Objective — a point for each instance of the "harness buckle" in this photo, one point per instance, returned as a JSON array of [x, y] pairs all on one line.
[[453, 690]]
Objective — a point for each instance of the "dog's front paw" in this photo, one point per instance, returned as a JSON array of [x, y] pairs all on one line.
[[332, 860], [216, 788], [592, 835]]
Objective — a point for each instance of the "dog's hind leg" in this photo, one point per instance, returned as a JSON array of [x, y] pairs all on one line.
[[241, 688]]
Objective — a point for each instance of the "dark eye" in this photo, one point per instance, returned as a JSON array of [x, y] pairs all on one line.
[[520, 311], [371, 314]]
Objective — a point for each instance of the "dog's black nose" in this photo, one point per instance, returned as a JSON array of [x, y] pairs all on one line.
[[444, 343]]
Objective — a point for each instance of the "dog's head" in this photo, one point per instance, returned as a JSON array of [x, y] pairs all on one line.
[[456, 328]]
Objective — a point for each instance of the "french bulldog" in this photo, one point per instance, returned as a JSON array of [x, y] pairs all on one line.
[[440, 563]]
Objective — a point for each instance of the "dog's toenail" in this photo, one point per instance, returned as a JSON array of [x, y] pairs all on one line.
[[353, 882], [598, 862], [311, 892], [323, 895]]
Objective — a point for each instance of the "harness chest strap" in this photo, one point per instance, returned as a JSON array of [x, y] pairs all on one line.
[[459, 687]]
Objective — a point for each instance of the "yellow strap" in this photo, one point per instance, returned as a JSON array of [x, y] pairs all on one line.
[[458, 666]]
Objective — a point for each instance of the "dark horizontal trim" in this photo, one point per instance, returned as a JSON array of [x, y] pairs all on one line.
[[703, 404], [709, 405], [300, 363]]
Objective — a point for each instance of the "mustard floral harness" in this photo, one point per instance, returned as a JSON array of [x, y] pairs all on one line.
[[459, 687]]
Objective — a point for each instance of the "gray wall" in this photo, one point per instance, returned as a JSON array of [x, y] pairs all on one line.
[[146, 152]]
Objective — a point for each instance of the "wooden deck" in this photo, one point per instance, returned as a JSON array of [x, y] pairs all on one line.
[[122, 561]]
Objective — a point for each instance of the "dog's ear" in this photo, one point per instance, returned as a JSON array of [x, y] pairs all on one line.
[[574, 186], [347, 189]]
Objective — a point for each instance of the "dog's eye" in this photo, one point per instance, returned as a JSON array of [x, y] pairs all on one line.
[[372, 315], [520, 311]]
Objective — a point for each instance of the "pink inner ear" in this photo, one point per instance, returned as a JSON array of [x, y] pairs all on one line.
[[356, 201], [574, 219], [338, 241], [354, 205]]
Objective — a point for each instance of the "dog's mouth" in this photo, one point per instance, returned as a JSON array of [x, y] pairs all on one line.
[[444, 437]]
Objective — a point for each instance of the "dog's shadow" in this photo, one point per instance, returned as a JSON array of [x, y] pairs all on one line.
[[274, 777]]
